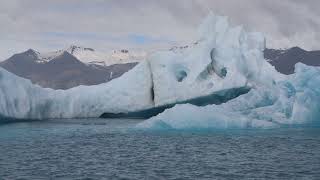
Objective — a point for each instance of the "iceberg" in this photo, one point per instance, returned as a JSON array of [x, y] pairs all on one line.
[[274, 100], [200, 76], [293, 101], [20, 99], [222, 81]]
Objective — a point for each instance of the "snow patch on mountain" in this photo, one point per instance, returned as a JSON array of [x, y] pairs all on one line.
[[91, 57]]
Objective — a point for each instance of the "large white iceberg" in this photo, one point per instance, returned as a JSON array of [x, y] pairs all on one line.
[[274, 99], [224, 63], [211, 67]]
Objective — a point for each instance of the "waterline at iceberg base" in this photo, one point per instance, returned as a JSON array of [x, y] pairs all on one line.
[[294, 101], [215, 98], [225, 59]]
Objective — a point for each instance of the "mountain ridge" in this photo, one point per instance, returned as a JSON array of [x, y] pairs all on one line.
[[61, 72], [91, 56]]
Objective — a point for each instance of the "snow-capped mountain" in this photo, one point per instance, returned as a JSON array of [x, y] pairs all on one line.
[[91, 56], [61, 69]]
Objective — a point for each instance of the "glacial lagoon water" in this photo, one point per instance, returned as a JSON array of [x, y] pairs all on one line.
[[113, 149]]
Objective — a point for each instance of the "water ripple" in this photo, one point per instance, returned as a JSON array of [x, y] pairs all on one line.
[[96, 150]]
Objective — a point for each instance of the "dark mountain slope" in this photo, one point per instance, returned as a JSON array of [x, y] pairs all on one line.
[[285, 60], [62, 72]]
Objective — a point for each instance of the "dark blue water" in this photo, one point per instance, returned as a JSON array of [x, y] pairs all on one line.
[[108, 149]]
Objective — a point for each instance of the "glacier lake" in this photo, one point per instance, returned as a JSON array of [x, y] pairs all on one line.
[[114, 149]]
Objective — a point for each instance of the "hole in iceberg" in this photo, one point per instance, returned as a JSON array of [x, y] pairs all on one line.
[[223, 72], [180, 72], [181, 75]]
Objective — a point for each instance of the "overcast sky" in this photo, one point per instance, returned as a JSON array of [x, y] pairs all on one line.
[[147, 24]]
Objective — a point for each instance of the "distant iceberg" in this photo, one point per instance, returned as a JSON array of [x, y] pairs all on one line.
[[222, 81]]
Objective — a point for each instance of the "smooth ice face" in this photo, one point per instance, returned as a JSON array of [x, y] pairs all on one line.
[[19, 98], [306, 81]]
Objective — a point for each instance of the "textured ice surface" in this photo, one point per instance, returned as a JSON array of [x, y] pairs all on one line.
[[225, 57], [293, 101], [273, 101]]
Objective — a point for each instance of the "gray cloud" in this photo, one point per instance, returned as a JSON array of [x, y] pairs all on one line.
[[108, 24]]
